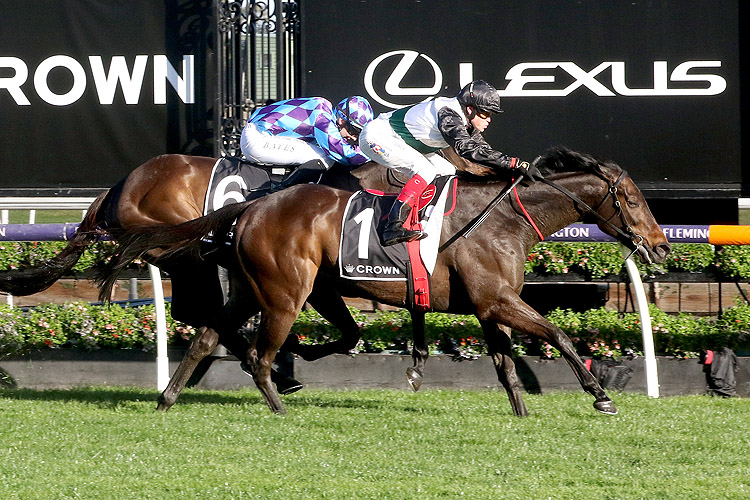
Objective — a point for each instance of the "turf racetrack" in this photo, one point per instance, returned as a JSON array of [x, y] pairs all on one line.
[[110, 443]]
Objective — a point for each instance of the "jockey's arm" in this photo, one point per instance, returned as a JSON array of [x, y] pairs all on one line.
[[328, 137], [472, 147]]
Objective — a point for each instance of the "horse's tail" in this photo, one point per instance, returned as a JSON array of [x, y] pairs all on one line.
[[164, 242], [31, 280]]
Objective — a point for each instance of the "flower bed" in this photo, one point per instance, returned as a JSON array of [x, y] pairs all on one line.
[[598, 332]]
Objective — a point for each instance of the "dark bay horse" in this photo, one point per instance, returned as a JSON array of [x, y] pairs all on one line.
[[171, 189], [286, 250]]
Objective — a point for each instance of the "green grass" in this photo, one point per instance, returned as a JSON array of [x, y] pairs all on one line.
[[110, 443]]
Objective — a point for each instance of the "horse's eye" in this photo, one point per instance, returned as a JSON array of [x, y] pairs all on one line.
[[632, 204]]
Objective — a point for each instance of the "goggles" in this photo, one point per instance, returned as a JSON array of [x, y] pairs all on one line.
[[483, 114]]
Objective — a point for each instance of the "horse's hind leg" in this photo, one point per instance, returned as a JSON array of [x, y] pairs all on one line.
[[499, 346], [271, 334], [332, 307], [202, 345], [419, 352]]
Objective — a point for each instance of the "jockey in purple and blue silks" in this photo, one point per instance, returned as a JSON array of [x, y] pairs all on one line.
[[309, 132]]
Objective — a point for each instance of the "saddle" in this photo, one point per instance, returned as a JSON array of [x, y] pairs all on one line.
[[234, 180], [361, 255]]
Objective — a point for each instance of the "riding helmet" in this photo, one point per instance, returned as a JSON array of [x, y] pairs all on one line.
[[480, 95], [355, 111]]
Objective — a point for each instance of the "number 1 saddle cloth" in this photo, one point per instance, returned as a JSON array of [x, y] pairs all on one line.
[[361, 255]]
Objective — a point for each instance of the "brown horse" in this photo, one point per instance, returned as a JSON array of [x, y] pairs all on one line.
[[286, 249], [171, 189]]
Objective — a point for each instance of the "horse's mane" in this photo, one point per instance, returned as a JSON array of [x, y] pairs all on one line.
[[556, 160], [559, 160]]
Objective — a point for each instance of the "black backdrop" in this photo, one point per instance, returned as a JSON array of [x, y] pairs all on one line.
[[47, 148], [674, 146]]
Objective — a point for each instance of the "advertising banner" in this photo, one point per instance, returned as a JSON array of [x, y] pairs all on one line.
[[90, 89], [653, 86]]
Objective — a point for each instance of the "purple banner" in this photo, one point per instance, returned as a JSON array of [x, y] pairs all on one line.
[[592, 233], [574, 232]]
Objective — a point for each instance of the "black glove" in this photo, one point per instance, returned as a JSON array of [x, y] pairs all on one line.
[[529, 170]]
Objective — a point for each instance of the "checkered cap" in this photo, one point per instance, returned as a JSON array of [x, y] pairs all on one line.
[[355, 110]]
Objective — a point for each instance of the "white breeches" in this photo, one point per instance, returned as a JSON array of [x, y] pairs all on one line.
[[262, 147], [381, 144]]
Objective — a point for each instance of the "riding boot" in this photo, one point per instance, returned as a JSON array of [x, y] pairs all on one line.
[[394, 231], [308, 172]]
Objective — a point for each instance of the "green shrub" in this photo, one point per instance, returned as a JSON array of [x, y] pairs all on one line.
[[598, 332], [12, 330], [594, 260]]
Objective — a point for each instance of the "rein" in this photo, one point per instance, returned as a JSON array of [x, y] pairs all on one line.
[[469, 228], [627, 232]]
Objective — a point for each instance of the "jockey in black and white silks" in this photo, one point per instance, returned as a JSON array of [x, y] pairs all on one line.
[[408, 139]]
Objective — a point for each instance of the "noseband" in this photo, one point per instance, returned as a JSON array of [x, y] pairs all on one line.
[[627, 232]]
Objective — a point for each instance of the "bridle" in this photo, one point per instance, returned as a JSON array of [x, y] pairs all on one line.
[[626, 232]]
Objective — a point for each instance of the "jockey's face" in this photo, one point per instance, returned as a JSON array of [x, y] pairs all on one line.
[[481, 119], [350, 138]]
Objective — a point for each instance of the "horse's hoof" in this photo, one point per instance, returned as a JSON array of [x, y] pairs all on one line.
[[606, 406], [288, 385], [414, 377]]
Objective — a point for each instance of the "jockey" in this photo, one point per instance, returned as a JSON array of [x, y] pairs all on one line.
[[309, 132], [407, 140]]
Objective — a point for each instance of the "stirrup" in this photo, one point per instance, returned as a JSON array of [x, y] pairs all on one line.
[[401, 236]]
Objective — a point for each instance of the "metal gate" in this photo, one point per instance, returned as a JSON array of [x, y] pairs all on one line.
[[258, 56]]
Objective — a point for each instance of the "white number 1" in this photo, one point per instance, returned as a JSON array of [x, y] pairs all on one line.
[[364, 219]]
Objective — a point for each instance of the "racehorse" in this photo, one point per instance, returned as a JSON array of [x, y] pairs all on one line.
[[286, 248], [171, 189]]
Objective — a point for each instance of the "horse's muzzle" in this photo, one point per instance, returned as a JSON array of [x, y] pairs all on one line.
[[656, 254]]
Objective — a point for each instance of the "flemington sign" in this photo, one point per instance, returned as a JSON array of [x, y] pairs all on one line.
[[714, 234]]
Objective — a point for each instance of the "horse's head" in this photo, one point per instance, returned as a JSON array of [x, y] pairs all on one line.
[[626, 216], [619, 207]]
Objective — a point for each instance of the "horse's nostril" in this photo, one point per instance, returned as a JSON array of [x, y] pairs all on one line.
[[664, 249]]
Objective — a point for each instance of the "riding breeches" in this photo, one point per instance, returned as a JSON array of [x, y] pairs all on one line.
[[383, 145], [262, 147]]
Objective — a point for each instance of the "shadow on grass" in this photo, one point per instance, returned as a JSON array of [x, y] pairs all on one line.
[[112, 397]]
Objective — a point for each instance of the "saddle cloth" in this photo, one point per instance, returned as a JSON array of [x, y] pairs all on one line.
[[362, 257], [234, 181]]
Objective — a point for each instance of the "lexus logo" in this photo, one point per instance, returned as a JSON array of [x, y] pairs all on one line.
[[393, 83], [548, 79]]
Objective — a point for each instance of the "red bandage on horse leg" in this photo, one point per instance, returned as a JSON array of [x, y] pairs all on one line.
[[412, 190]]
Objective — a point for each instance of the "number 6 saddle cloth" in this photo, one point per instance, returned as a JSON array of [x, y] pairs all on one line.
[[361, 255], [234, 181]]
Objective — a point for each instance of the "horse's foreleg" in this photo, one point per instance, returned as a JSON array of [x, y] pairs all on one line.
[[499, 346], [203, 345], [517, 314], [419, 352]]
